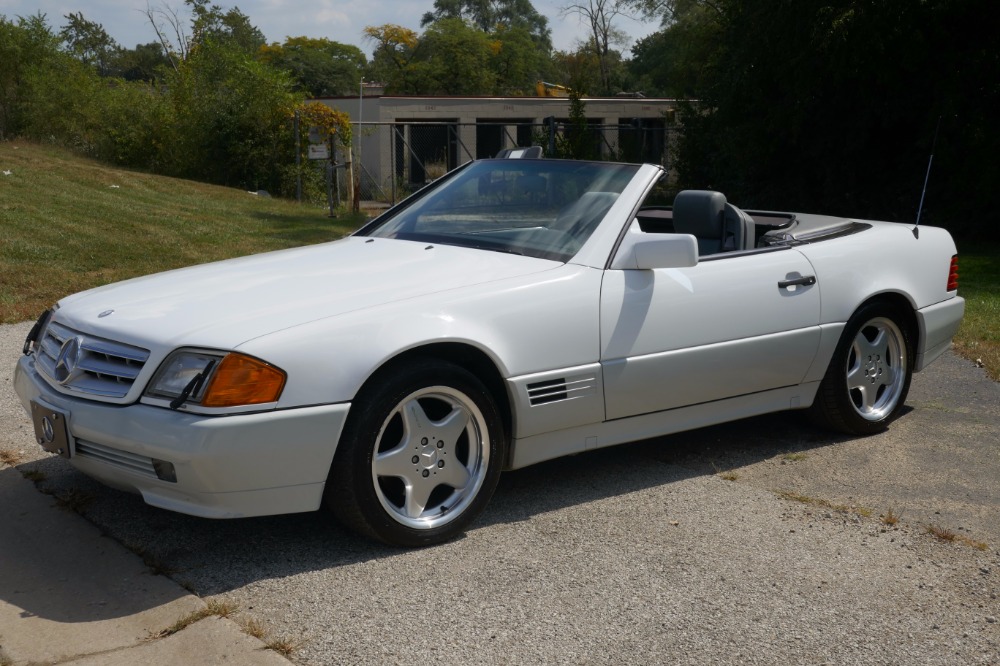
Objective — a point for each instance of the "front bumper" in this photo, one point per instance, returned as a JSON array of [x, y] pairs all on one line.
[[226, 466]]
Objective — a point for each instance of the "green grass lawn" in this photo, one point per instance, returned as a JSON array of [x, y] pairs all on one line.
[[68, 224], [979, 284]]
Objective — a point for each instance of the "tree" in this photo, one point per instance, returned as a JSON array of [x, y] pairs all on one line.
[[230, 112], [493, 15], [578, 141], [669, 12], [170, 32], [321, 67], [208, 24], [520, 36], [91, 44], [233, 27], [577, 70], [146, 62], [599, 15], [51, 94], [232, 118], [453, 58], [25, 46], [831, 106], [221, 116], [516, 61], [676, 60], [391, 59]]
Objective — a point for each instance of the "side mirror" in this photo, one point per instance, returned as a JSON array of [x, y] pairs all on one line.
[[640, 251]]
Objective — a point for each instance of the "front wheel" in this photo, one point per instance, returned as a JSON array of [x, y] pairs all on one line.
[[869, 376], [420, 455]]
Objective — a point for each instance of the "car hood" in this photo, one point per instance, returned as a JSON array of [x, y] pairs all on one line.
[[227, 303]]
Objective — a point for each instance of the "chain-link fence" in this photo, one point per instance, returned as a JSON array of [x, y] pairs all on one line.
[[394, 159]]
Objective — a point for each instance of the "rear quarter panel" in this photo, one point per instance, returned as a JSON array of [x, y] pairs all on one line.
[[886, 258]]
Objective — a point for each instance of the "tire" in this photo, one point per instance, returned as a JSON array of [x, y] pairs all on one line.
[[869, 375], [420, 455]]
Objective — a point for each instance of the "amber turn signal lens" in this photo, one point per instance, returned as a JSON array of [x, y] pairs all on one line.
[[953, 274], [242, 380]]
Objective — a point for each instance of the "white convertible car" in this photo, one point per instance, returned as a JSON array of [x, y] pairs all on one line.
[[513, 311]]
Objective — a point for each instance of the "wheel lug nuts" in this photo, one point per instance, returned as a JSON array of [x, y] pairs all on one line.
[[440, 463], [440, 444], [415, 459], [423, 441], [425, 473]]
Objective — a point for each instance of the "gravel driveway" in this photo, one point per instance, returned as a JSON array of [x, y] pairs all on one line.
[[685, 549]]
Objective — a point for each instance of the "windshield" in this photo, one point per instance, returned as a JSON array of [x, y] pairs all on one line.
[[538, 208]]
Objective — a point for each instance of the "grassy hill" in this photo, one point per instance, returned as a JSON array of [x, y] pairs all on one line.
[[69, 223]]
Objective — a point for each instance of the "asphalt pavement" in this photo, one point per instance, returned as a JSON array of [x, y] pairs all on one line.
[[759, 542]]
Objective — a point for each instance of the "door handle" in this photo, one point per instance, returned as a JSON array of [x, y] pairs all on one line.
[[803, 281]]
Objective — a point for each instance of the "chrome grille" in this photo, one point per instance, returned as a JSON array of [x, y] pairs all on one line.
[[99, 367], [116, 458], [555, 390]]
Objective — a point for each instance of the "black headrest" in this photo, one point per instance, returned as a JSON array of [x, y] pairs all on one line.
[[699, 213]]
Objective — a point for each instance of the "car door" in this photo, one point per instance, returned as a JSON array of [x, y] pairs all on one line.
[[734, 324]]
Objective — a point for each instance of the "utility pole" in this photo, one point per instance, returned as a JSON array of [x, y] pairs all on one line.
[[356, 188]]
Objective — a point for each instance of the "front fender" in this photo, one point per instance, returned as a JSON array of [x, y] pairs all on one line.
[[524, 324]]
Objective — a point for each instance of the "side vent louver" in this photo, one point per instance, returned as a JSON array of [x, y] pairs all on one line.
[[552, 390], [556, 390]]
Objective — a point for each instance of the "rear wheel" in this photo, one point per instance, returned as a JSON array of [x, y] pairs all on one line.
[[420, 455], [869, 376]]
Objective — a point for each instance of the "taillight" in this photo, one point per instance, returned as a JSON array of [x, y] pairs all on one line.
[[953, 274]]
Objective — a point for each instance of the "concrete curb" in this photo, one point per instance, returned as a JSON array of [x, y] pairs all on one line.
[[68, 594]]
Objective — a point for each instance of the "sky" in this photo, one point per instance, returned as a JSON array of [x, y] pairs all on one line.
[[338, 20]]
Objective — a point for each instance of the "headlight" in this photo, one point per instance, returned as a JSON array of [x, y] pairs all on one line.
[[217, 380], [35, 334]]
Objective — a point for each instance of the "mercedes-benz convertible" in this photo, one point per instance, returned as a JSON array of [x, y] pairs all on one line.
[[513, 311]]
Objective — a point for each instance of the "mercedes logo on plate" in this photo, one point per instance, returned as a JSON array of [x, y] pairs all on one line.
[[67, 360], [48, 431]]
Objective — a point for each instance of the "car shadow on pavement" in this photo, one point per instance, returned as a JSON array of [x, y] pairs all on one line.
[[631, 467], [212, 557]]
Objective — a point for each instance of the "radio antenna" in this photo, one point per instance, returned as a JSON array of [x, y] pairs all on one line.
[[927, 176]]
